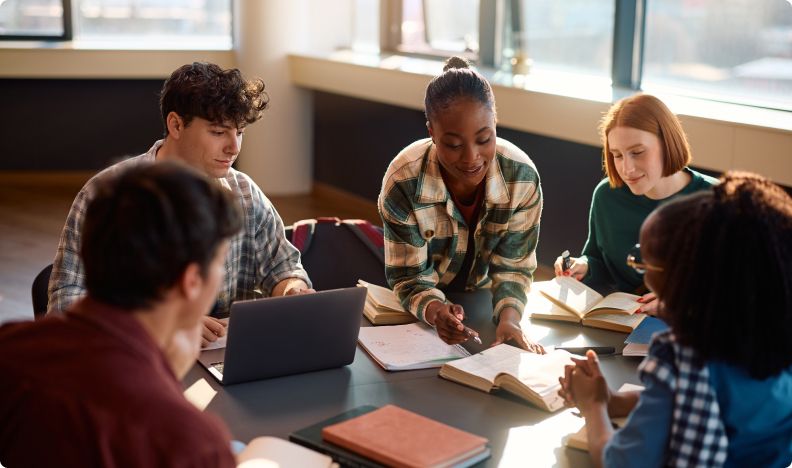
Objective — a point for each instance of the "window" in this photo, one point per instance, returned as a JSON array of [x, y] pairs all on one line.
[[732, 50], [440, 27], [33, 19], [570, 35], [139, 24]]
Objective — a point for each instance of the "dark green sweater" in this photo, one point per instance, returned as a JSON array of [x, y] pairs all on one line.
[[614, 223]]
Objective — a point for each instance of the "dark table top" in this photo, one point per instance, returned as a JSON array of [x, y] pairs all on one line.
[[519, 433]]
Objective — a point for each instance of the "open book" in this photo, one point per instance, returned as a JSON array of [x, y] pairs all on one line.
[[406, 347], [533, 377], [272, 451], [579, 439], [567, 299], [383, 307]]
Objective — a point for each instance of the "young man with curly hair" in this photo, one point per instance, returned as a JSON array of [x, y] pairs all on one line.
[[205, 110]]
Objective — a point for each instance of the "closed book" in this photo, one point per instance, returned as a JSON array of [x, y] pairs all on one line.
[[637, 342], [396, 437], [566, 299]]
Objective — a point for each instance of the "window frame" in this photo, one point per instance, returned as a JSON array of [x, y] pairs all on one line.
[[67, 34]]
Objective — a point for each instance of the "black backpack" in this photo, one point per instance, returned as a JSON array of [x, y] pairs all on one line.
[[337, 253]]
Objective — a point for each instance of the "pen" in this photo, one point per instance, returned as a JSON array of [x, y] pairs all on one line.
[[469, 332], [600, 350], [565, 260]]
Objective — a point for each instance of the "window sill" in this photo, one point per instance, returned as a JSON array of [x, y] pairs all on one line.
[[99, 60], [723, 136]]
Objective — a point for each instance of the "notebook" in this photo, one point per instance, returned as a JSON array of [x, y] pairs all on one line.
[[261, 336], [393, 436], [637, 342], [407, 347]]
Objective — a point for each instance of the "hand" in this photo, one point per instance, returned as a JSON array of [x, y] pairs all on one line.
[[509, 329], [183, 348], [447, 319], [586, 385], [299, 290], [212, 329], [650, 304], [577, 269]]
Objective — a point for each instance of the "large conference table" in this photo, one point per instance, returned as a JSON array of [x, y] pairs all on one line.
[[519, 434]]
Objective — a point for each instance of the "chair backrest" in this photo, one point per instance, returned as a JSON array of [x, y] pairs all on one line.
[[39, 292], [337, 253]]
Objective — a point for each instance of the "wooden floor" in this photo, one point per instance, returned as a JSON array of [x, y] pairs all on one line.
[[33, 208]]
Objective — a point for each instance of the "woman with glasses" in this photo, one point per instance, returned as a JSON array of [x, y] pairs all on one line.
[[718, 384], [646, 155], [461, 212]]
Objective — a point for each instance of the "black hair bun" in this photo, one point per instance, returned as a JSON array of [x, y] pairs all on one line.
[[456, 62]]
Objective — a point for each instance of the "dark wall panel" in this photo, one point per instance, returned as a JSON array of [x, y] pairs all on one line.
[[76, 124], [354, 140]]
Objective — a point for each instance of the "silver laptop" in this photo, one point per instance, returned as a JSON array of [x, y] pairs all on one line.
[[278, 336]]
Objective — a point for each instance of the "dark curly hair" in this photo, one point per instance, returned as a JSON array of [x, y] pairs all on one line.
[[458, 80], [145, 225], [207, 91], [727, 255]]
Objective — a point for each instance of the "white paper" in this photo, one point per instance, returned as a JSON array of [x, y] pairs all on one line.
[[411, 346]]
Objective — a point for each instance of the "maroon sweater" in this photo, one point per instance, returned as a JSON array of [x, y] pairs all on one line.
[[91, 388]]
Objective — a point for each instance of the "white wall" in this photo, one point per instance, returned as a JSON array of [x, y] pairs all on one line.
[[277, 151]]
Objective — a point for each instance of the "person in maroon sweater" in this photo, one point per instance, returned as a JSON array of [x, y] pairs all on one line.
[[99, 385]]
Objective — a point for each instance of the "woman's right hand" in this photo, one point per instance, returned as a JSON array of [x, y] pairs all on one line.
[[447, 319], [577, 269]]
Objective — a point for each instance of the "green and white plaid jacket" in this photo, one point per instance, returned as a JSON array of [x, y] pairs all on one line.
[[426, 236]]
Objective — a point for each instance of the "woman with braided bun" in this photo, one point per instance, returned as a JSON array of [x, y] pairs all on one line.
[[461, 212]]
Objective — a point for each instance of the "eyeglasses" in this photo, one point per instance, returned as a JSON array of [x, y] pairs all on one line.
[[634, 260]]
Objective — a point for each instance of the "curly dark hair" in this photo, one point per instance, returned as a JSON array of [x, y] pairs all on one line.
[[727, 255], [207, 91], [145, 225], [458, 80]]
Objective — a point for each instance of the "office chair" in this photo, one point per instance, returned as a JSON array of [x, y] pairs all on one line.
[[38, 292]]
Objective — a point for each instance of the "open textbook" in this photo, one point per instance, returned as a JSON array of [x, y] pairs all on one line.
[[533, 377], [383, 307], [407, 347], [579, 439], [567, 299]]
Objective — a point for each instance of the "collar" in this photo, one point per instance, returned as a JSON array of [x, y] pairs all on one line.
[[432, 189]]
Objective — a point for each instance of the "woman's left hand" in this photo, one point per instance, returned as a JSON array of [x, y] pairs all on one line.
[[648, 304], [585, 385], [509, 329]]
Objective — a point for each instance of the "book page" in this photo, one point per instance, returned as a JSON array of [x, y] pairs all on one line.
[[382, 297], [490, 362], [569, 293], [271, 451], [618, 301], [411, 346], [539, 306], [540, 372], [619, 322]]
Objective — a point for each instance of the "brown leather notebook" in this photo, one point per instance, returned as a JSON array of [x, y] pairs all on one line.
[[397, 437]]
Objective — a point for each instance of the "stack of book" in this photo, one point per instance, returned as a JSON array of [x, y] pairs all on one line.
[[637, 342], [383, 307]]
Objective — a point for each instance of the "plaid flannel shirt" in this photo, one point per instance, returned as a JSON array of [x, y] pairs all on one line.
[[426, 237], [258, 258], [698, 435]]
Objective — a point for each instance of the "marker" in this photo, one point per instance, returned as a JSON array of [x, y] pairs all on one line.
[[565, 265]]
